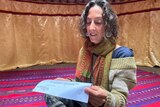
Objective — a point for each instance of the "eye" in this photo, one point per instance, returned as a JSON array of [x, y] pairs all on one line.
[[98, 21], [88, 22]]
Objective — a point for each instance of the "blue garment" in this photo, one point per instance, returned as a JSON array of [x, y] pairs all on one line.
[[122, 52]]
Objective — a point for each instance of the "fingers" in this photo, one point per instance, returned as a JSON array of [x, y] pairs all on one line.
[[97, 95], [96, 91], [96, 101], [90, 91], [62, 79]]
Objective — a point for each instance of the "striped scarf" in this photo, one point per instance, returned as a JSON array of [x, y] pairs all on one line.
[[99, 72]]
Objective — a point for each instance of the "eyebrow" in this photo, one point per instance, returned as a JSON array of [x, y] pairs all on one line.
[[95, 18]]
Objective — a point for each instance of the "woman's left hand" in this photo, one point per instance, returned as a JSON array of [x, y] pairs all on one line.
[[97, 95]]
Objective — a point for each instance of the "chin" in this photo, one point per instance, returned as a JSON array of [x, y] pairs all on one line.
[[94, 42]]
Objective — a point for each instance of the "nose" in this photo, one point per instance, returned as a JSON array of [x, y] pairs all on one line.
[[92, 26]]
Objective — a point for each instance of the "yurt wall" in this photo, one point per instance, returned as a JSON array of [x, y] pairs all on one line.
[[139, 30], [47, 33]]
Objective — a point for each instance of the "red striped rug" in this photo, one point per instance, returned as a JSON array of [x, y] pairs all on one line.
[[16, 87], [147, 91]]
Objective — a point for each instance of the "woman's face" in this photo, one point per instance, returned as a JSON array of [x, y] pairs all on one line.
[[95, 25]]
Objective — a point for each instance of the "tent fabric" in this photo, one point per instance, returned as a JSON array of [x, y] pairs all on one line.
[[75, 1], [45, 33]]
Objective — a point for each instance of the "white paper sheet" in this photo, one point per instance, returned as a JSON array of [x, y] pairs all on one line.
[[64, 89]]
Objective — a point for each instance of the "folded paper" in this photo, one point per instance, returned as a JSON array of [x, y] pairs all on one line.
[[64, 89]]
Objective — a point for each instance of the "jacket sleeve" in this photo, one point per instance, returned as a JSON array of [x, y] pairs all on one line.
[[122, 78]]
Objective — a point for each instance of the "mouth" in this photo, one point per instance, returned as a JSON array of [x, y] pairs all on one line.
[[92, 34], [92, 37]]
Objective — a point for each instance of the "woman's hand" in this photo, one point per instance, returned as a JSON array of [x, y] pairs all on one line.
[[62, 79], [97, 95]]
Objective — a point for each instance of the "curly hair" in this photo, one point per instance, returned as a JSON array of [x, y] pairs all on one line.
[[109, 18]]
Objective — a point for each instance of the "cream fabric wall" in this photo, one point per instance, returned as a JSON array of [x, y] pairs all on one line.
[[34, 33], [139, 23]]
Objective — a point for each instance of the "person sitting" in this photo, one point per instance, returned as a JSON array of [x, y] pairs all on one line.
[[111, 68]]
